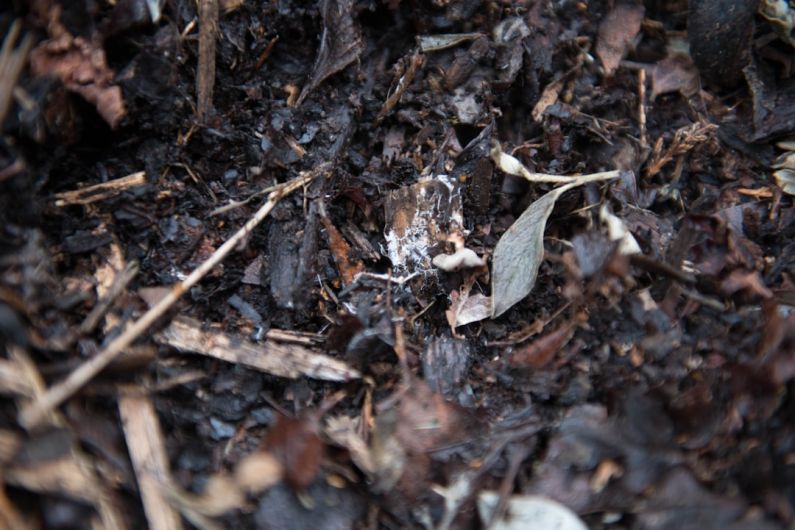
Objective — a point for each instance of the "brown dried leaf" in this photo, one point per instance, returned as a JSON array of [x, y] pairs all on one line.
[[426, 421], [340, 44], [675, 73], [341, 250], [617, 32], [748, 281], [82, 67], [466, 309], [541, 351], [296, 445]]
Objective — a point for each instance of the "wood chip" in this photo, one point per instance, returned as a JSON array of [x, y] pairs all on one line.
[[148, 455], [283, 360]]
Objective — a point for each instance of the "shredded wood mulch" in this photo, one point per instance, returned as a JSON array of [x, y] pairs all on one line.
[[385, 264]]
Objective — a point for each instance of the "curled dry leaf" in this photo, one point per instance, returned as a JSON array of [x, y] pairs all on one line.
[[617, 231], [785, 178], [466, 309], [528, 512], [463, 258], [295, 443], [81, 66]]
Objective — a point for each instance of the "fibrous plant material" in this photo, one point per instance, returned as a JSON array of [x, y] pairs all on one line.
[[685, 139]]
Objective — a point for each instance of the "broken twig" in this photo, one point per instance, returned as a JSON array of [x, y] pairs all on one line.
[[205, 75], [101, 191]]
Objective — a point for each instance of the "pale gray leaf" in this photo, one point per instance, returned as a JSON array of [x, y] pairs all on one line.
[[528, 512], [519, 253]]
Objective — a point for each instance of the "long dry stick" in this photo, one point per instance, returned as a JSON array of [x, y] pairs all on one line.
[[33, 413], [205, 75]]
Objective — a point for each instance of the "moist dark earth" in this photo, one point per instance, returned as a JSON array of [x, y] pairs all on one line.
[[649, 388]]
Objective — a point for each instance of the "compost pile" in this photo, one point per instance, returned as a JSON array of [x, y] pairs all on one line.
[[447, 264]]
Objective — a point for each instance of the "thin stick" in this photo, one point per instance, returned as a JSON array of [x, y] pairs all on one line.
[[644, 142], [101, 191], [33, 413], [205, 75]]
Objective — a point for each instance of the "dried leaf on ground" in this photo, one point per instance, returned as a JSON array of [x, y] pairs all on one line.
[[617, 32], [295, 443], [340, 44], [749, 282], [528, 512], [465, 308], [520, 250], [345, 432], [348, 266], [681, 503], [405, 436], [81, 66], [519, 253], [785, 178], [540, 352], [283, 360], [675, 73]]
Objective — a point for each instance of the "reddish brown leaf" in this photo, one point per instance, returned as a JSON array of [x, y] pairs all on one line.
[[749, 282], [675, 73], [540, 352], [81, 66], [616, 34], [426, 421], [295, 443]]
